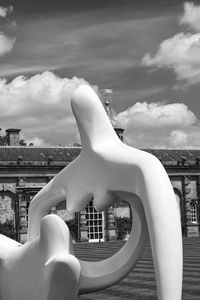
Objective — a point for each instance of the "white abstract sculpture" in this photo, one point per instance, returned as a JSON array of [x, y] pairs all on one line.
[[45, 268]]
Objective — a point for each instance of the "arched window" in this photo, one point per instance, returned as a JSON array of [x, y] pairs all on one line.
[[6, 206], [193, 211]]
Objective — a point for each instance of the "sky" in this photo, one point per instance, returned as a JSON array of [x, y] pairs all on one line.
[[147, 52]]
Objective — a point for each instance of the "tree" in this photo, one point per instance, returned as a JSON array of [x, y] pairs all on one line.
[[73, 228], [22, 143], [123, 226], [3, 140], [8, 229]]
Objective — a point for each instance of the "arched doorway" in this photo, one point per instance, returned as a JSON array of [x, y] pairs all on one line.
[[8, 214], [7, 206]]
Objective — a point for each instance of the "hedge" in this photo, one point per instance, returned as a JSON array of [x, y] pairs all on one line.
[[7, 228], [123, 227]]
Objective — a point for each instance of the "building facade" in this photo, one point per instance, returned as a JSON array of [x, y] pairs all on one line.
[[24, 170]]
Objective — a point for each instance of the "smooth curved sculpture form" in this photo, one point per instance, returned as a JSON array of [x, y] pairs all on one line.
[[44, 269], [105, 170]]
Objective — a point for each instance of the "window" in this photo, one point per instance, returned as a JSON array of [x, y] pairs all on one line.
[[94, 223], [193, 211]]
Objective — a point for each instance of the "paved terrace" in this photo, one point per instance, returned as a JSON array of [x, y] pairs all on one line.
[[140, 283]]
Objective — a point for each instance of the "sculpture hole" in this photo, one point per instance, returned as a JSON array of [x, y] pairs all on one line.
[[97, 235], [112, 226]]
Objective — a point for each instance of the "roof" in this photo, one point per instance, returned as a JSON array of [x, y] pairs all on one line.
[[26, 153], [67, 154], [176, 155]]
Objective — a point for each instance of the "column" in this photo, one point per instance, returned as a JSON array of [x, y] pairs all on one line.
[[83, 227], [111, 225], [22, 217], [17, 226], [186, 194], [198, 196]]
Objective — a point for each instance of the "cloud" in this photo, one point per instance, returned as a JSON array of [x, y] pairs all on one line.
[[144, 114], [39, 142], [40, 106], [178, 139], [6, 44], [85, 43], [4, 11], [181, 53], [191, 16], [158, 125]]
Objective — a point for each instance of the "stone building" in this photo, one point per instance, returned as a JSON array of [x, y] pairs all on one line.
[[24, 170]]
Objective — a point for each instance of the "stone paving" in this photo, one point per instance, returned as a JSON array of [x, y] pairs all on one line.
[[140, 283]]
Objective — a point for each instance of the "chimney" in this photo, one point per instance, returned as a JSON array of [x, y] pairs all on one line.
[[13, 136]]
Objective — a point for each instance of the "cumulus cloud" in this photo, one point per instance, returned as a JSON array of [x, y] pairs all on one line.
[[182, 51], [39, 142], [6, 44], [191, 16], [158, 125], [145, 114], [4, 11], [40, 106], [178, 139]]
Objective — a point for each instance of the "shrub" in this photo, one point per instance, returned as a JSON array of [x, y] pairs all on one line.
[[8, 229], [73, 228], [123, 226]]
